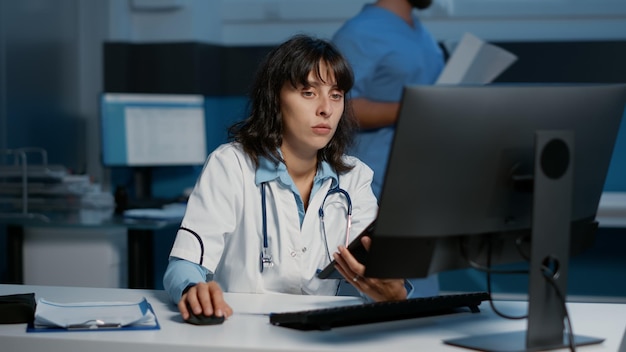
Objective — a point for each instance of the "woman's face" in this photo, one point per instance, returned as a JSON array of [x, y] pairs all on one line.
[[311, 113]]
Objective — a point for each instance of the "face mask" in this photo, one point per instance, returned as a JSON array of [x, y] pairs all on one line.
[[420, 4]]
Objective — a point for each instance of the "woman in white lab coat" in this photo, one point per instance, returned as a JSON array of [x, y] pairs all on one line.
[[254, 219]]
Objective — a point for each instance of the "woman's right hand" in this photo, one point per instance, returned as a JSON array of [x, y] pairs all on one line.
[[206, 298], [377, 289]]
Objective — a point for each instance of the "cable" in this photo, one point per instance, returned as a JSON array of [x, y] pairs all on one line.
[[491, 304], [518, 246], [570, 332], [488, 269], [547, 274]]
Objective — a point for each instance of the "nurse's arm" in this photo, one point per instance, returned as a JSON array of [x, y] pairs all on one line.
[[374, 114]]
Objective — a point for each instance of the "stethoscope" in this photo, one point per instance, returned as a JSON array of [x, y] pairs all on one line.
[[266, 257]]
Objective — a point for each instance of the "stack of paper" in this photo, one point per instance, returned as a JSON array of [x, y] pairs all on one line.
[[94, 316]]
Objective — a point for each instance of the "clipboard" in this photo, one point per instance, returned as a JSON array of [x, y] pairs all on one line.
[[93, 316]]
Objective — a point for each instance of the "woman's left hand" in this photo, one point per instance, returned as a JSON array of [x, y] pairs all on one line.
[[376, 289]]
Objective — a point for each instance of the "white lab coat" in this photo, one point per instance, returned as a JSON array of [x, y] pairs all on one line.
[[224, 221]]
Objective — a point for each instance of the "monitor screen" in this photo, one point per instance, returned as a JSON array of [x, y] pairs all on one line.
[[462, 165], [152, 129]]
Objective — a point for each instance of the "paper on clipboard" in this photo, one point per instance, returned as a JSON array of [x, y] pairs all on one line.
[[475, 62], [50, 316]]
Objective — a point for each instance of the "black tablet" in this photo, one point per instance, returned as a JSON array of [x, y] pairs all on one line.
[[356, 248]]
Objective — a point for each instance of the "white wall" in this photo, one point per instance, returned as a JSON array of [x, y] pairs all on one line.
[[262, 22]]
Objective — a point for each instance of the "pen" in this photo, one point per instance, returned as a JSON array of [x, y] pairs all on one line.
[[94, 325]]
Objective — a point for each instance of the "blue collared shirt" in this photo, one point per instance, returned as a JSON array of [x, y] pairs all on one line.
[[268, 171]]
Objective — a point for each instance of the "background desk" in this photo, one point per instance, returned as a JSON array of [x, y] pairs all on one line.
[[247, 330], [142, 247], [139, 236]]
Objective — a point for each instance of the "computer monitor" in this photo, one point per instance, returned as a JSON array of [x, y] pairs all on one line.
[[143, 131], [152, 129], [494, 174], [462, 164]]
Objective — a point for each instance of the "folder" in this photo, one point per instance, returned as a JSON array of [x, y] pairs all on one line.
[[93, 316]]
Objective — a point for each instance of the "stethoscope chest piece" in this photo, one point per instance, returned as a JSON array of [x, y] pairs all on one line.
[[265, 260]]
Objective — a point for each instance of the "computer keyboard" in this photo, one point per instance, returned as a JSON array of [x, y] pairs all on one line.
[[328, 318]]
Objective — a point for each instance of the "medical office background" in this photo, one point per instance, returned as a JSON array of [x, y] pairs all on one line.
[[58, 56]]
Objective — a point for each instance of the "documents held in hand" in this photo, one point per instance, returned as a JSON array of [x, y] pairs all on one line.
[[475, 61], [51, 316]]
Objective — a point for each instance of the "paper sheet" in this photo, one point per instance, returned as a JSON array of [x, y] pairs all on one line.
[[475, 62]]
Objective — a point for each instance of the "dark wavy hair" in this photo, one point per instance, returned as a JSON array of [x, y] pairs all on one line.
[[261, 133]]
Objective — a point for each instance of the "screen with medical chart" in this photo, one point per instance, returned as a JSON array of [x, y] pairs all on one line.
[[152, 129]]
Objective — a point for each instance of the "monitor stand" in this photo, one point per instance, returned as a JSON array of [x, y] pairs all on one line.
[[549, 259], [142, 177], [143, 198]]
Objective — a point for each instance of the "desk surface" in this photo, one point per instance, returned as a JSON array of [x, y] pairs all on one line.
[[248, 330]]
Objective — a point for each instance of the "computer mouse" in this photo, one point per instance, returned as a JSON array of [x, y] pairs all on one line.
[[201, 319]]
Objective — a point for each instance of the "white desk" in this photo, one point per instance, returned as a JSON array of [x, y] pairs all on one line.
[[248, 332]]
